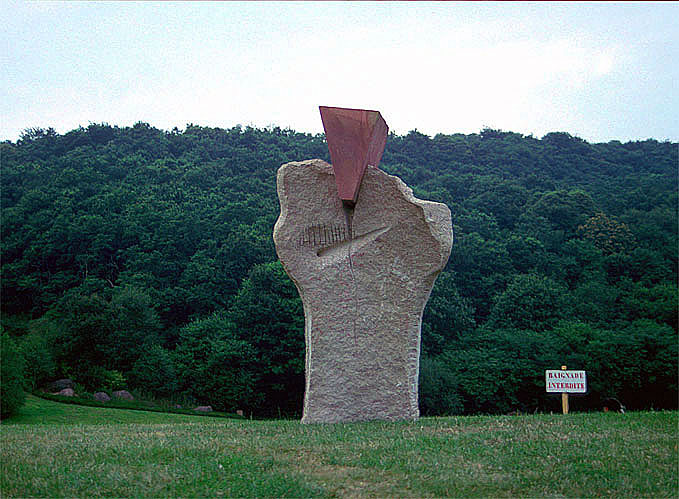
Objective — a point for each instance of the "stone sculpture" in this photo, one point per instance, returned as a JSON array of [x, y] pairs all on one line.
[[364, 260]]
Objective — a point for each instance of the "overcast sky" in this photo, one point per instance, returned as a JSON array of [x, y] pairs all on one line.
[[600, 71]]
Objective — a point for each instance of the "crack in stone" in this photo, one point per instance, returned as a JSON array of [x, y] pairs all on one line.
[[348, 215], [355, 294]]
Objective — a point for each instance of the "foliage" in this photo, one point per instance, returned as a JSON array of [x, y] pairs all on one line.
[[607, 234], [12, 365], [267, 314], [531, 301], [101, 332], [637, 365], [38, 353], [214, 365], [156, 372], [439, 388], [447, 316], [111, 380], [128, 252], [499, 370]]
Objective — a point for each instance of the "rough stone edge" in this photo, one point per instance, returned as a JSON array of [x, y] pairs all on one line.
[[433, 213], [438, 220], [319, 164]]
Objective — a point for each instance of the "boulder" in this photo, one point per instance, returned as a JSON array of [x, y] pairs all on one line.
[[66, 392], [203, 408], [61, 384], [123, 394], [101, 397]]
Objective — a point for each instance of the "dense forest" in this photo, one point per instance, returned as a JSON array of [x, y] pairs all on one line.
[[143, 259]]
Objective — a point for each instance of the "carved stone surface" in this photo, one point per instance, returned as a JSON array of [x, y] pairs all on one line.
[[364, 276], [356, 139]]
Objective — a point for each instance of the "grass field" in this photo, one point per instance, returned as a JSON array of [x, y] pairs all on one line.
[[58, 450]]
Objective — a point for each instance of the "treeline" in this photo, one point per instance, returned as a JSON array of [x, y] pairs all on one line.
[[143, 259]]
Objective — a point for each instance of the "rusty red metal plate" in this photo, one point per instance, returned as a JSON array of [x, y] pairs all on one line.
[[356, 139]]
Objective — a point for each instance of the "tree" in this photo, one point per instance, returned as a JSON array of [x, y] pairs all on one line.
[[637, 365], [214, 366], [532, 302], [82, 319], [480, 270], [134, 327], [595, 301], [38, 353], [503, 199], [267, 314], [565, 209], [658, 303], [607, 234], [156, 372], [101, 329], [528, 254], [447, 316], [113, 240]]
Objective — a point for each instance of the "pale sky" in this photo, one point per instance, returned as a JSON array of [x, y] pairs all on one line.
[[600, 71]]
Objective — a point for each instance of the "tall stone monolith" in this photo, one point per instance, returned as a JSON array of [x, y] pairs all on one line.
[[364, 274]]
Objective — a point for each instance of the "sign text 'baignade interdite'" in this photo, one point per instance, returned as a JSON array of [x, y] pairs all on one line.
[[559, 381]]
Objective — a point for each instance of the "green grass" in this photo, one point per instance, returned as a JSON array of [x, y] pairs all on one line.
[[140, 405], [45, 411], [85, 451]]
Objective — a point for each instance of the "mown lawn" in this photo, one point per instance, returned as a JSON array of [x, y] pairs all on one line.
[[59, 450]]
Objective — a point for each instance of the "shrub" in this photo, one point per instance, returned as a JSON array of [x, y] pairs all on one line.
[[214, 367], [96, 378], [439, 391], [155, 372], [637, 365], [40, 366], [11, 377], [502, 370]]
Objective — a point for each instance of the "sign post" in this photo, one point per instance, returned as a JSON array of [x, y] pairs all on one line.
[[565, 382], [564, 397]]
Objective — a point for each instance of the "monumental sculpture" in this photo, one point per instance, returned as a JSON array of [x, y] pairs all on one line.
[[364, 254]]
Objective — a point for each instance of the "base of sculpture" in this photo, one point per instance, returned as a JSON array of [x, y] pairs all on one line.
[[364, 275]]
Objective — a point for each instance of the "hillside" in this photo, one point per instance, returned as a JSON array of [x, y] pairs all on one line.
[[144, 258]]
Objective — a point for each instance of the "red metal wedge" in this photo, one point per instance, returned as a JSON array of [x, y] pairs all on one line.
[[356, 139]]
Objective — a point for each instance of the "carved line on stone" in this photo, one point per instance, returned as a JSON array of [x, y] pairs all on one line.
[[322, 235], [359, 240]]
